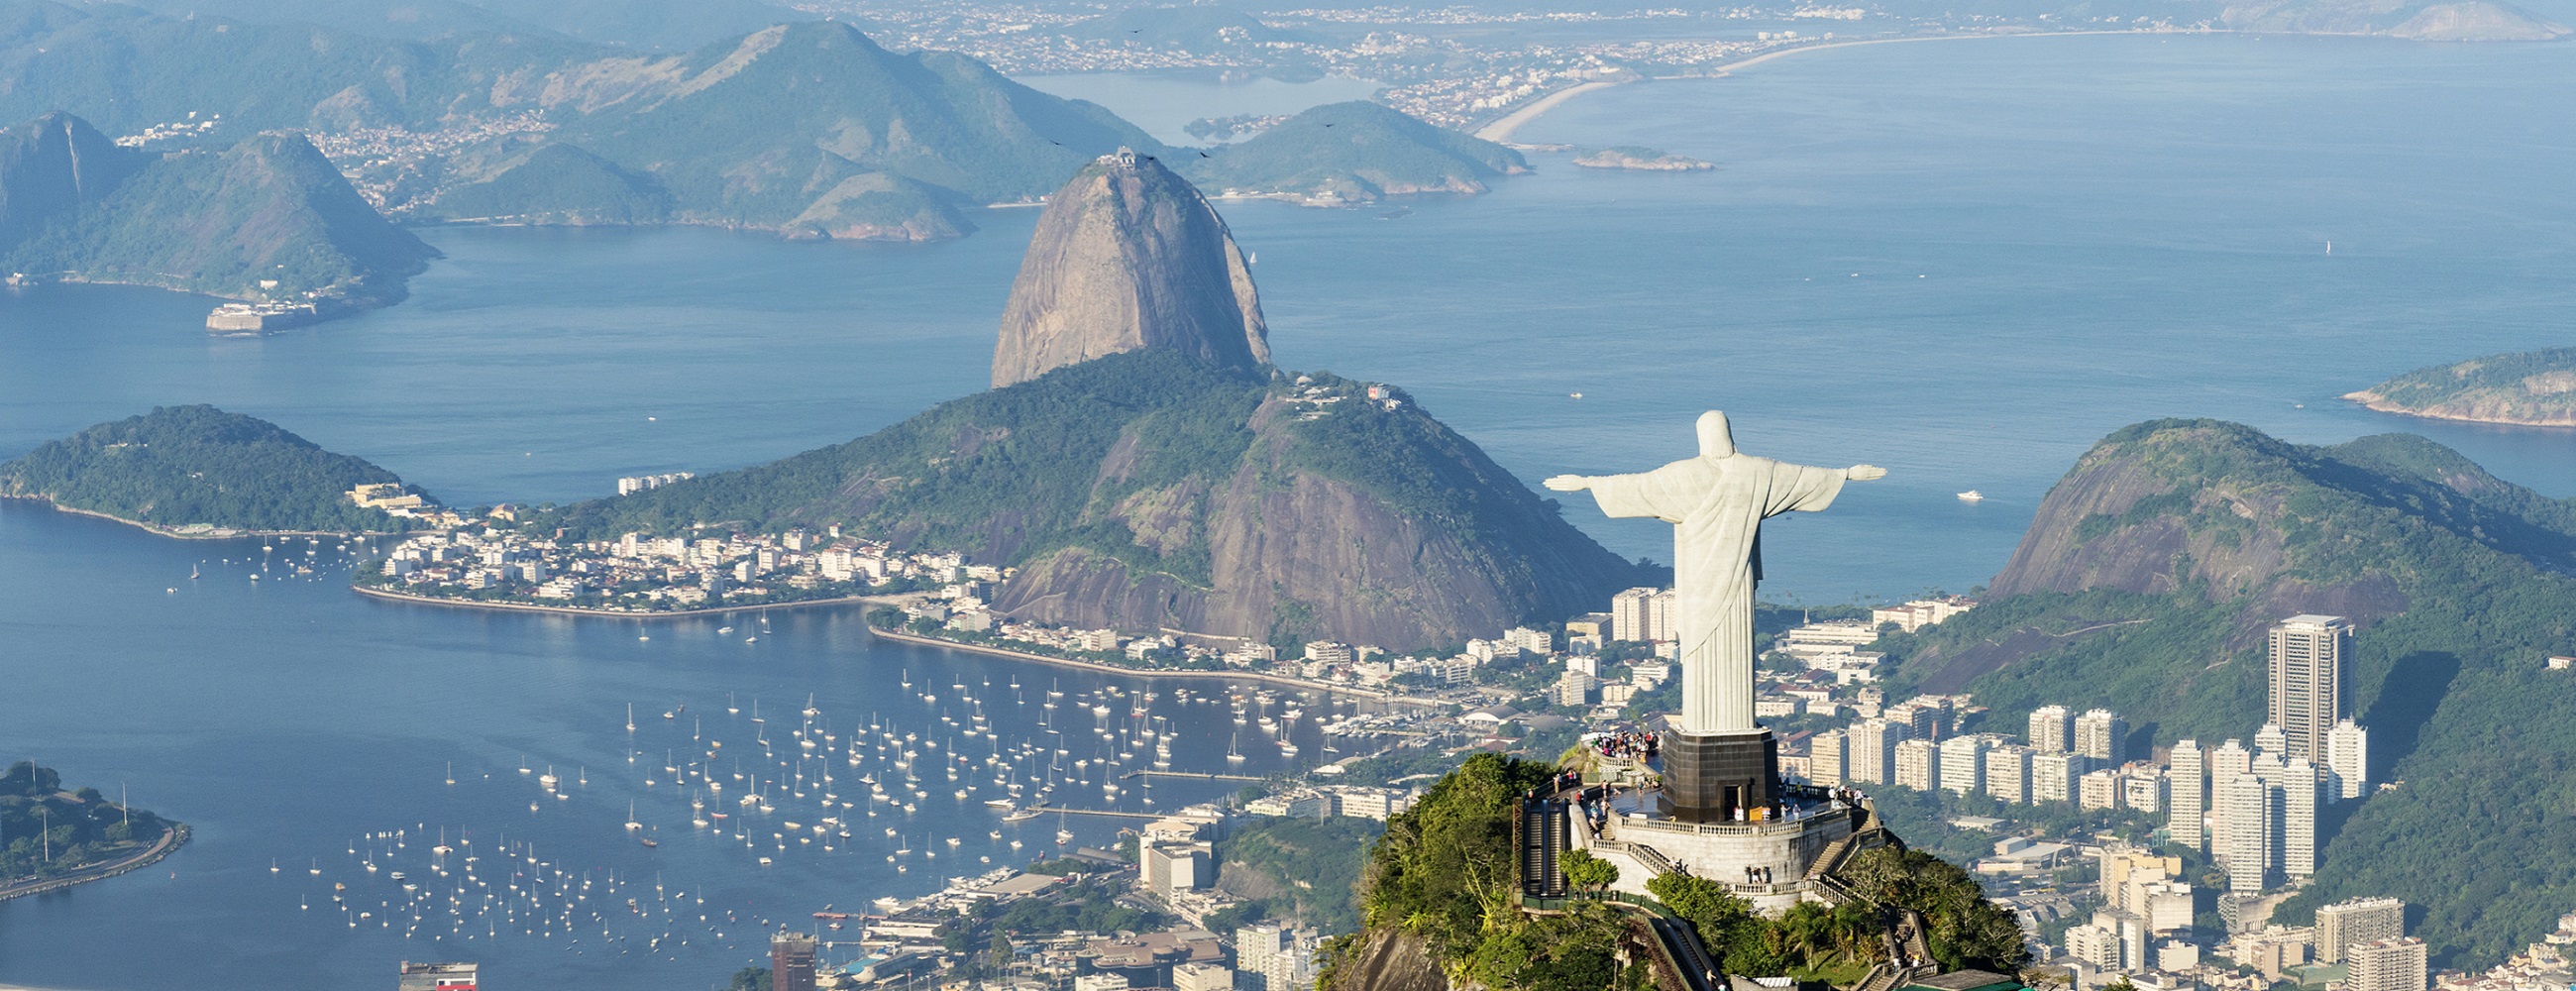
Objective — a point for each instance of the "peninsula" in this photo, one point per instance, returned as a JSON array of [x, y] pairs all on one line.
[[197, 471], [52, 838], [2532, 389]]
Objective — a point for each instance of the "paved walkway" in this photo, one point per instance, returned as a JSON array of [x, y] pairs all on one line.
[[170, 840]]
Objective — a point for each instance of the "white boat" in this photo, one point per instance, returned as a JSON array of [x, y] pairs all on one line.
[[1972, 495]]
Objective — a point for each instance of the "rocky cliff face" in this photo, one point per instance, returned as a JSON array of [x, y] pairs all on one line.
[[1127, 256], [1295, 547], [1150, 490], [52, 164]]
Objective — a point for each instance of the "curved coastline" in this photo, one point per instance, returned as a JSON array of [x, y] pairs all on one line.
[[1096, 666], [432, 600], [1501, 130], [2378, 405], [218, 533], [170, 842]]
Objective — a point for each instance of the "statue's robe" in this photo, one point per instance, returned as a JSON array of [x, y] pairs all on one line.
[[1716, 506]]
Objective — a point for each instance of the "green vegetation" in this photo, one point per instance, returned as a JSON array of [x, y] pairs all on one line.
[[267, 219], [1445, 874], [46, 831], [1137, 458], [557, 184], [2530, 387], [1010, 474], [748, 979], [2460, 579], [183, 465], [1303, 869], [1355, 152], [1086, 902]]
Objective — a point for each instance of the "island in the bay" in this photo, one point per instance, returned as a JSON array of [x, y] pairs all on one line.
[[52, 837], [197, 471], [266, 221], [2531, 388], [1640, 159]]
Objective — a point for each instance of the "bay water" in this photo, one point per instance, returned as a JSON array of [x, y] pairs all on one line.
[[1962, 260]]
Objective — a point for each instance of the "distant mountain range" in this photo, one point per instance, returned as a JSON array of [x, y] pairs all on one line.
[[2534, 388], [808, 129], [2153, 568], [267, 218]]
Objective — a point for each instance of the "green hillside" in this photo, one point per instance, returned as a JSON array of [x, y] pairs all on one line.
[[1146, 490], [2534, 388], [1353, 152], [270, 209], [182, 465], [2152, 569]]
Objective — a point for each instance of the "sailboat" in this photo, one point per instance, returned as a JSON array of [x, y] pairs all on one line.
[[631, 824], [451, 772], [630, 717]]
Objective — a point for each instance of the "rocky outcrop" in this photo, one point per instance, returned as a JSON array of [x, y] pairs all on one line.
[[1299, 550], [1388, 959], [1129, 256], [52, 164], [2532, 389]]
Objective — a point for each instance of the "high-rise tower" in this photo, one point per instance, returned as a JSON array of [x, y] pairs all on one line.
[[2309, 655]]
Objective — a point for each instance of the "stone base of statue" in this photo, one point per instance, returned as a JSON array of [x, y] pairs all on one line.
[[1764, 858], [1721, 777]]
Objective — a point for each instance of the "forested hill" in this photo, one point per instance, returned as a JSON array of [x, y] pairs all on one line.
[[2153, 568], [265, 219], [1437, 897], [2534, 388], [183, 465], [1356, 152], [1147, 489]]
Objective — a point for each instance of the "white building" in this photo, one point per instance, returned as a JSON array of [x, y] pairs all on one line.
[[2187, 794], [1963, 762], [2052, 776], [2008, 773], [1918, 764], [2052, 730], [2348, 759], [2243, 837], [1825, 756], [1871, 753], [2103, 736]]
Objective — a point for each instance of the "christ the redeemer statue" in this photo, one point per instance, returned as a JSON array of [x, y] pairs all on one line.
[[1719, 763]]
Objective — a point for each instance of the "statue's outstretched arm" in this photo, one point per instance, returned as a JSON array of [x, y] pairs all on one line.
[[1864, 473], [1568, 483]]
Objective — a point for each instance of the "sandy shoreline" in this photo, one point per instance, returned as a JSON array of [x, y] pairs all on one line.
[[1501, 131]]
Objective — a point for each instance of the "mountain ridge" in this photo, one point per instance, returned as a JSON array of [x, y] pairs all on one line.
[[266, 218], [2152, 569]]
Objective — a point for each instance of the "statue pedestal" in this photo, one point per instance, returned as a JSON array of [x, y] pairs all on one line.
[[1714, 777]]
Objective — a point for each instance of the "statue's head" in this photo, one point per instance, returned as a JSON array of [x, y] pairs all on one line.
[[1715, 440]]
